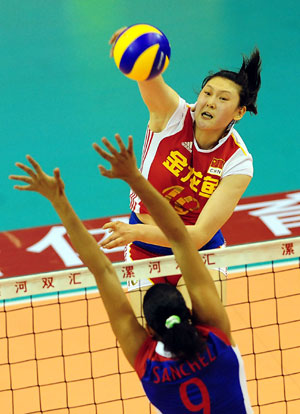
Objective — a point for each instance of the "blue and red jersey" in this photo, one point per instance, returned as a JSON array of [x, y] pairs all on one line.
[[214, 383]]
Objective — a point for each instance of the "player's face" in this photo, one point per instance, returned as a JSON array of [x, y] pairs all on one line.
[[218, 105]]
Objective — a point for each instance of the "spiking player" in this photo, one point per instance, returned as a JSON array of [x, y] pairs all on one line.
[[194, 156]]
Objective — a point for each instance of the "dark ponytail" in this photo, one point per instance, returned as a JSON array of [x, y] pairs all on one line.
[[248, 78], [182, 339]]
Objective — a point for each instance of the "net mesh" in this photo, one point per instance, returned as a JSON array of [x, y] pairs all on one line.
[[58, 354]]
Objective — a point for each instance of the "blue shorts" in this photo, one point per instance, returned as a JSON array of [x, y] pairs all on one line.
[[216, 241]]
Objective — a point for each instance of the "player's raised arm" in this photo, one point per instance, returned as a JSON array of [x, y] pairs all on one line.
[[204, 297], [160, 99], [128, 331]]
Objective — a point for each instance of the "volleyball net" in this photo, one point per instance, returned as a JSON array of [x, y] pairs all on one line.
[[58, 354]]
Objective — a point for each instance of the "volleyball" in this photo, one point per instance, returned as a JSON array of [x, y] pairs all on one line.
[[142, 52]]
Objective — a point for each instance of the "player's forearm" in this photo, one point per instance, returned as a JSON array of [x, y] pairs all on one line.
[[153, 234], [112, 293], [82, 241], [163, 214], [158, 96]]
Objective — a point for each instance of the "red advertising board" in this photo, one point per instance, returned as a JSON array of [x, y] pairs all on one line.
[[264, 218], [47, 248]]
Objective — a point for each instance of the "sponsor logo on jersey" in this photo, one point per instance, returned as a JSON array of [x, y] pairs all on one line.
[[216, 166], [187, 145]]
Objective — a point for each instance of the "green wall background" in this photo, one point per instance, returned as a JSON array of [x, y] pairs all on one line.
[[60, 91]]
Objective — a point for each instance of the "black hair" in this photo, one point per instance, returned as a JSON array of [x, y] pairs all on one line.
[[248, 78], [183, 340]]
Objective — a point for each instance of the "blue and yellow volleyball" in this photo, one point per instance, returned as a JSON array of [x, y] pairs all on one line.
[[142, 52]]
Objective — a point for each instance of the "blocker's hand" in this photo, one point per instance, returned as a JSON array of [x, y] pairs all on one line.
[[37, 180], [123, 163]]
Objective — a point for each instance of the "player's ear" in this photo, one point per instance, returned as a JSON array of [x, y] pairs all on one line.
[[149, 330], [240, 113]]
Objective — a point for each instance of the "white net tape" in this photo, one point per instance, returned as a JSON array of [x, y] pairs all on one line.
[[74, 279]]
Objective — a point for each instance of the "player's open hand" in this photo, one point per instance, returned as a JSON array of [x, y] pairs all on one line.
[[121, 234], [37, 180], [113, 39], [123, 163]]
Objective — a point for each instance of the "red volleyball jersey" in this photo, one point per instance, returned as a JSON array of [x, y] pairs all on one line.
[[184, 173]]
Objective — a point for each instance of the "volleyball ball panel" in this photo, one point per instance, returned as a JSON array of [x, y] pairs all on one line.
[[142, 52], [129, 35]]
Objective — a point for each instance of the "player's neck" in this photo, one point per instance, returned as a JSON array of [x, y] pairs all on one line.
[[208, 139]]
